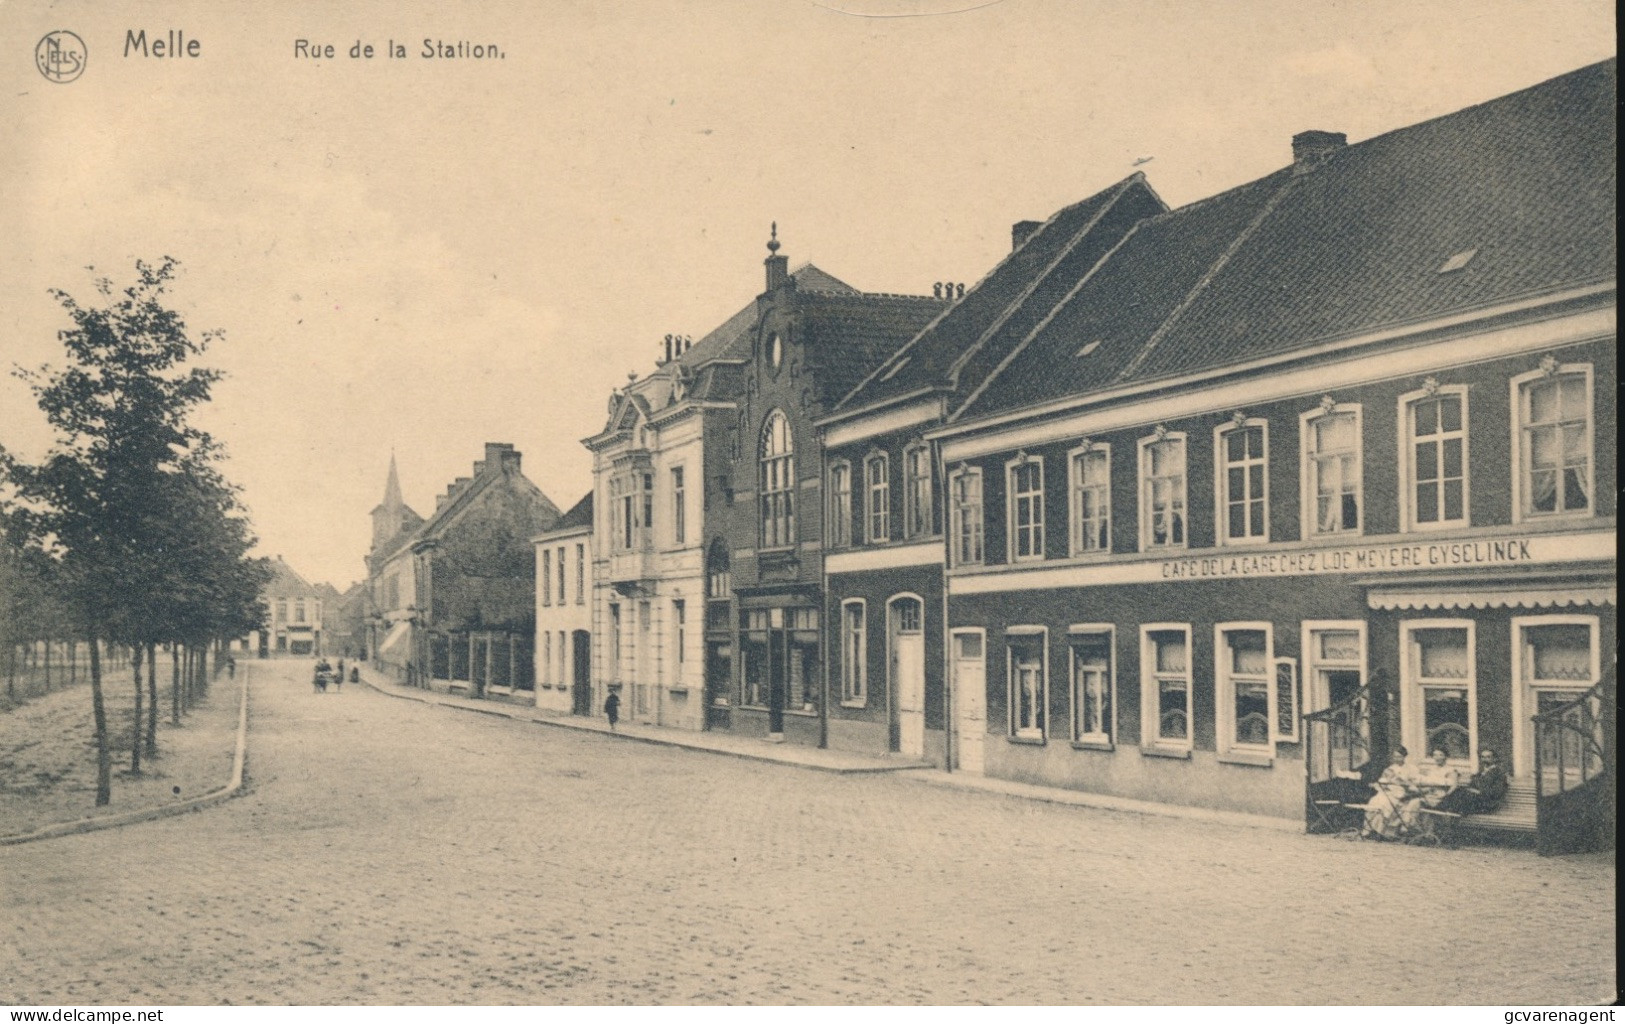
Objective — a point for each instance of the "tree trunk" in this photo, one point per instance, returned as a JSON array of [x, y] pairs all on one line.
[[104, 757], [152, 701], [175, 683], [135, 728]]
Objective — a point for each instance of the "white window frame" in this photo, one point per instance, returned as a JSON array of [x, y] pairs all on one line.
[[1522, 710], [917, 520], [559, 554], [679, 509], [1414, 709], [1407, 461], [1221, 483], [1224, 692], [1520, 452], [581, 573], [1012, 500], [547, 577], [855, 671], [1015, 730], [840, 503], [1142, 475], [877, 499], [1074, 491], [776, 507], [957, 517], [1150, 692], [547, 657], [1103, 740], [1309, 496]]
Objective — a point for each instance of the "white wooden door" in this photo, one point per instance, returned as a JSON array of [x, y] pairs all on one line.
[[967, 648], [908, 675]]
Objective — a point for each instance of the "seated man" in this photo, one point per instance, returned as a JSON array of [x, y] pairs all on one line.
[[1483, 793]]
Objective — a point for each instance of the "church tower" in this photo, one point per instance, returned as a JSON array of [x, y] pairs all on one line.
[[392, 516]]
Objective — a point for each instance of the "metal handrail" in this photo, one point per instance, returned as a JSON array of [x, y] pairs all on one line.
[[1586, 718]]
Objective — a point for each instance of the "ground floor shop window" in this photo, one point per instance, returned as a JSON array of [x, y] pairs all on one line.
[[1245, 676], [854, 652], [1440, 678], [1165, 668], [1090, 648], [1027, 681], [779, 647]]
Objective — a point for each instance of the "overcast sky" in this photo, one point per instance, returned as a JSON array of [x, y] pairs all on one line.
[[424, 255]]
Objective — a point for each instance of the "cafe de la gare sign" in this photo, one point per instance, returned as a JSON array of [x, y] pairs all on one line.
[[1407, 554]]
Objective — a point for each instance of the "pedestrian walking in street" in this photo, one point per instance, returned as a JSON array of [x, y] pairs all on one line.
[[231, 667], [612, 708], [355, 674]]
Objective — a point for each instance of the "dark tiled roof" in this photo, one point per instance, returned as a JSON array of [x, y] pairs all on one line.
[[1352, 246], [580, 515], [732, 339], [847, 335], [960, 338]]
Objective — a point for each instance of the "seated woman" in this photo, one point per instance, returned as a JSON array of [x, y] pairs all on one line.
[[1393, 809], [1436, 778], [1483, 792]]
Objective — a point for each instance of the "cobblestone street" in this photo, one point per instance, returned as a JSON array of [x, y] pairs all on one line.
[[396, 852]]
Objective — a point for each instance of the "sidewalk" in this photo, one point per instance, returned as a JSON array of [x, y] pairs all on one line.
[[838, 761]]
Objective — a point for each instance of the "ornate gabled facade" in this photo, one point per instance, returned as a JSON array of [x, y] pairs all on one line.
[[708, 571]]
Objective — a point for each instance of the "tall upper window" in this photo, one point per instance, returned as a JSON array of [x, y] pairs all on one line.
[[1091, 499], [561, 574], [1435, 457], [1165, 687], [778, 483], [1243, 483], [965, 514], [918, 497], [547, 576], [1026, 490], [299, 610], [632, 504], [1554, 441], [1162, 491], [840, 504], [679, 509], [877, 497], [581, 574], [854, 652], [1331, 470]]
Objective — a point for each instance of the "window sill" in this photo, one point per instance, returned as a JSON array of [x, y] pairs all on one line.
[[1103, 745], [1175, 753], [1244, 757], [854, 703], [678, 689], [1027, 741], [791, 712]]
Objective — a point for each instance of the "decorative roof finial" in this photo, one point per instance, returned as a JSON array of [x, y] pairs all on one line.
[[773, 242]]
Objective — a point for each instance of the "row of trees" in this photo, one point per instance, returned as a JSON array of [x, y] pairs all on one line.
[[128, 523]]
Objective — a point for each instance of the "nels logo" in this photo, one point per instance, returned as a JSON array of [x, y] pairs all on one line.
[[60, 56]]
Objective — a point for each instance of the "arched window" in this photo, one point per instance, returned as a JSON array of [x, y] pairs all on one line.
[[778, 483]]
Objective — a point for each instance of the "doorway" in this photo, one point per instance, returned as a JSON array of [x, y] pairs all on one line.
[[968, 647], [581, 682], [906, 633]]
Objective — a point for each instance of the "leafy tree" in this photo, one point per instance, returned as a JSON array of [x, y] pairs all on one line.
[[119, 407]]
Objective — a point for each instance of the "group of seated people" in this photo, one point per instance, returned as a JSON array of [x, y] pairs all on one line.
[[1403, 791]]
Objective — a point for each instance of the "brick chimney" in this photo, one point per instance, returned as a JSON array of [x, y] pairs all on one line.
[[1310, 148], [1023, 230], [500, 456], [778, 267]]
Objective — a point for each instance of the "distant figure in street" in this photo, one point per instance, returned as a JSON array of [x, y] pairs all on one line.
[[612, 708], [319, 683], [338, 681], [341, 668], [231, 667], [355, 674]]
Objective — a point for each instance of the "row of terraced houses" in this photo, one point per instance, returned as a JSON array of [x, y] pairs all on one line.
[[1209, 505]]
